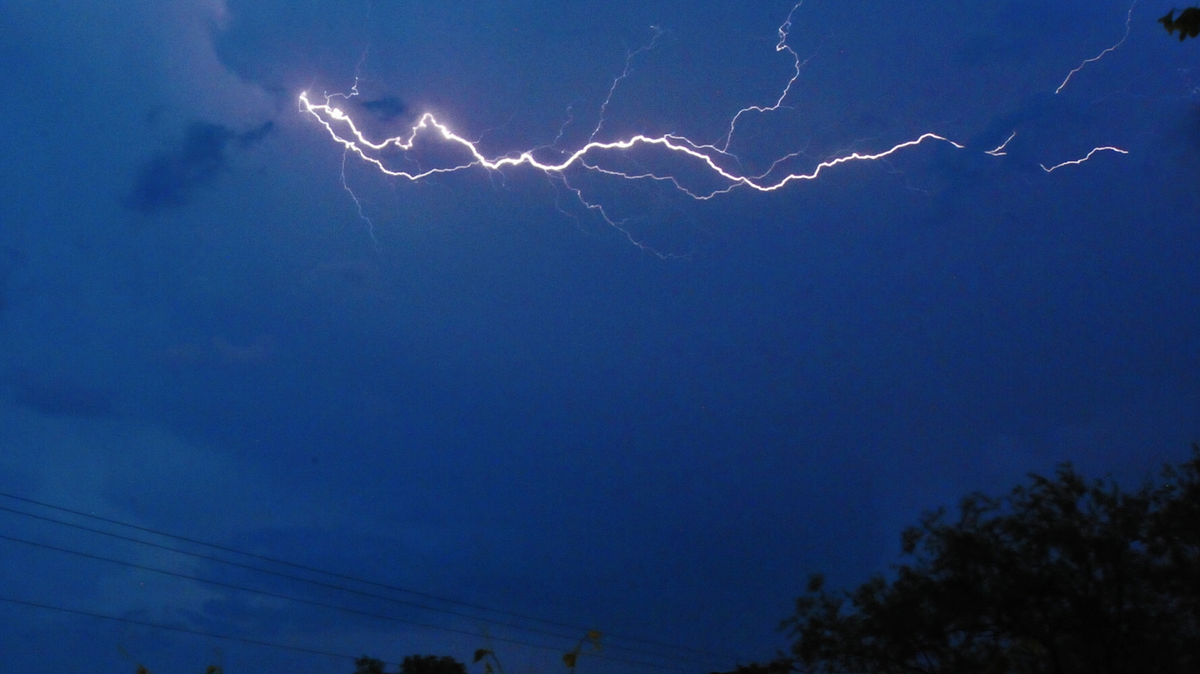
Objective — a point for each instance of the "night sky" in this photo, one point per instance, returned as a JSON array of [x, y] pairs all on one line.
[[653, 416]]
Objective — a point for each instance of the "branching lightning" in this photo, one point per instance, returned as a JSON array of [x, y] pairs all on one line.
[[1076, 162], [355, 141], [714, 163], [617, 82], [346, 152], [1000, 151], [357, 203], [784, 29], [1097, 57]]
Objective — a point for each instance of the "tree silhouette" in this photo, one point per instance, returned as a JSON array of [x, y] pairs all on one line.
[[1061, 576], [1188, 23], [413, 664]]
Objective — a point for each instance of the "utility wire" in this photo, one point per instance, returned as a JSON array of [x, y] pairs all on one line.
[[631, 649], [298, 649], [317, 583], [318, 604], [576, 628]]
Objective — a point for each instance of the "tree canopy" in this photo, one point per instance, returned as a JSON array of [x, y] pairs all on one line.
[[413, 664], [1062, 575], [1188, 23]]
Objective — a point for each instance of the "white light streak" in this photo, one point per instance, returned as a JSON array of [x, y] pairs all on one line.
[[999, 151], [710, 164], [1097, 57], [1076, 162]]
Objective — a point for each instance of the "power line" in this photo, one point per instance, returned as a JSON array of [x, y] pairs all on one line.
[[265, 558], [256, 642], [317, 583], [318, 604], [534, 630]]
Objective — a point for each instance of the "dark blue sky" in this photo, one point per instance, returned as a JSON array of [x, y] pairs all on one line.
[[474, 387]]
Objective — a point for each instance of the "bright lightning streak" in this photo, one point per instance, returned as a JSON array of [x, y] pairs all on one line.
[[1097, 57], [712, 160], [616, 82], [356, 142], [784, 29], [1076, 162], [999, 151], [344, 131]]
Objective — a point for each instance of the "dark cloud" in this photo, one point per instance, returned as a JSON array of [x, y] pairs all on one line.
[[60, 398], [169, 178], [385, 109]]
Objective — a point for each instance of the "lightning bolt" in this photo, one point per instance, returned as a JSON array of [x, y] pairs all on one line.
[[784, 30], [616, 82], [1076, 162], [1097, 57], [346, 153], [999, 151], [357, 202], [715, 165]]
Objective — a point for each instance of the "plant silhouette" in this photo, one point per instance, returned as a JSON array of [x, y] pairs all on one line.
[[413, 664], [1188, 23], [1063, 575]]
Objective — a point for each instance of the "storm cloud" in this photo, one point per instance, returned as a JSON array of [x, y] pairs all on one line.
[[385, 109], [169, 179]]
